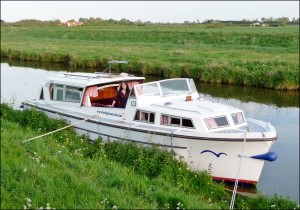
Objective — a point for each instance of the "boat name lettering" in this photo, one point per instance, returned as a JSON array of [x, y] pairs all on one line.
[[109, 113]]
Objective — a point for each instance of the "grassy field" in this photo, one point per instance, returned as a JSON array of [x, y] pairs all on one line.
[[64, 171], [262, 57]]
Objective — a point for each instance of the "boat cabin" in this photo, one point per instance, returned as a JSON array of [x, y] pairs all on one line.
[[170, 102], [85, 89]]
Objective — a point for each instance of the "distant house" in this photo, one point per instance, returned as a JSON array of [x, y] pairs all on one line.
[[255, 24], [72, 23], [264, 25]]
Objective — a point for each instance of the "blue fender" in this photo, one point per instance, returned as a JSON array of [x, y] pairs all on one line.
[[269, 156]]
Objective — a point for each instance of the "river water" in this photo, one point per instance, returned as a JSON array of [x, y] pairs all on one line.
[[281, 108]]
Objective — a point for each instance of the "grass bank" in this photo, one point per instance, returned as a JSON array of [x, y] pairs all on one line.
[[261, 57], [64, 171]]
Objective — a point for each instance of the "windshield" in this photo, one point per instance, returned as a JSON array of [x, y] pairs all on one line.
[[174, 86], [167, 87]]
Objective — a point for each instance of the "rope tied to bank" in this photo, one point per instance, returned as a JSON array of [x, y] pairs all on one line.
[[46, 134], [237, 175]]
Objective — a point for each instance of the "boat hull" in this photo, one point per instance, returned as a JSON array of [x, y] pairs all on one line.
[[222, 157]]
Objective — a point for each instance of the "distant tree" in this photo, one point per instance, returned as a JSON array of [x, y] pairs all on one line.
[[56, 22], [283, 21], [124, 21], [72, 20], [92, 20], [139, 22], [29, 22], [186, 22], [99, 20], [2, 21], [111, 21], [84, 20]]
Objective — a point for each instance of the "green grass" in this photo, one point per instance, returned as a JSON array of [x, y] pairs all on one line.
[[64, 171], [262, 57]]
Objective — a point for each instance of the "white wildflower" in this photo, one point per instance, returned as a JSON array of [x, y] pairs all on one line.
[[104, 201], [48, 206]]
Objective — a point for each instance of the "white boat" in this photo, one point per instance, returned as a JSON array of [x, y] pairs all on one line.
[[204, 133]]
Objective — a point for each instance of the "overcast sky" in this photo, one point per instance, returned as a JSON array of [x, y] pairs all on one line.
[[154, 11]]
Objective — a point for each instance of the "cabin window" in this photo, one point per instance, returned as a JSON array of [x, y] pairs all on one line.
[[151, 117], [217, 122], [65, 93], [58, 92], [51, 91], [73, 94], [176, 121], [42, 95], [237, 118], [187, 123], [144, 116], [137, 116], [164, 120]]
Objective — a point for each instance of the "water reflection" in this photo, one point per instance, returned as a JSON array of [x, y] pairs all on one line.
[[43, 65], [246, 94]]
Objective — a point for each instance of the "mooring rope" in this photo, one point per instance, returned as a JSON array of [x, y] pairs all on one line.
[[237, 175], [31, 139]]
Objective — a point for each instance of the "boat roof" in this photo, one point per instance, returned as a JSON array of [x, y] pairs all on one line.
[[90, 79], [196, 106]]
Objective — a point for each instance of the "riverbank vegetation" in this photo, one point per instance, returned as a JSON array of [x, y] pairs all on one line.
[[266, 57], [64, 171]]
